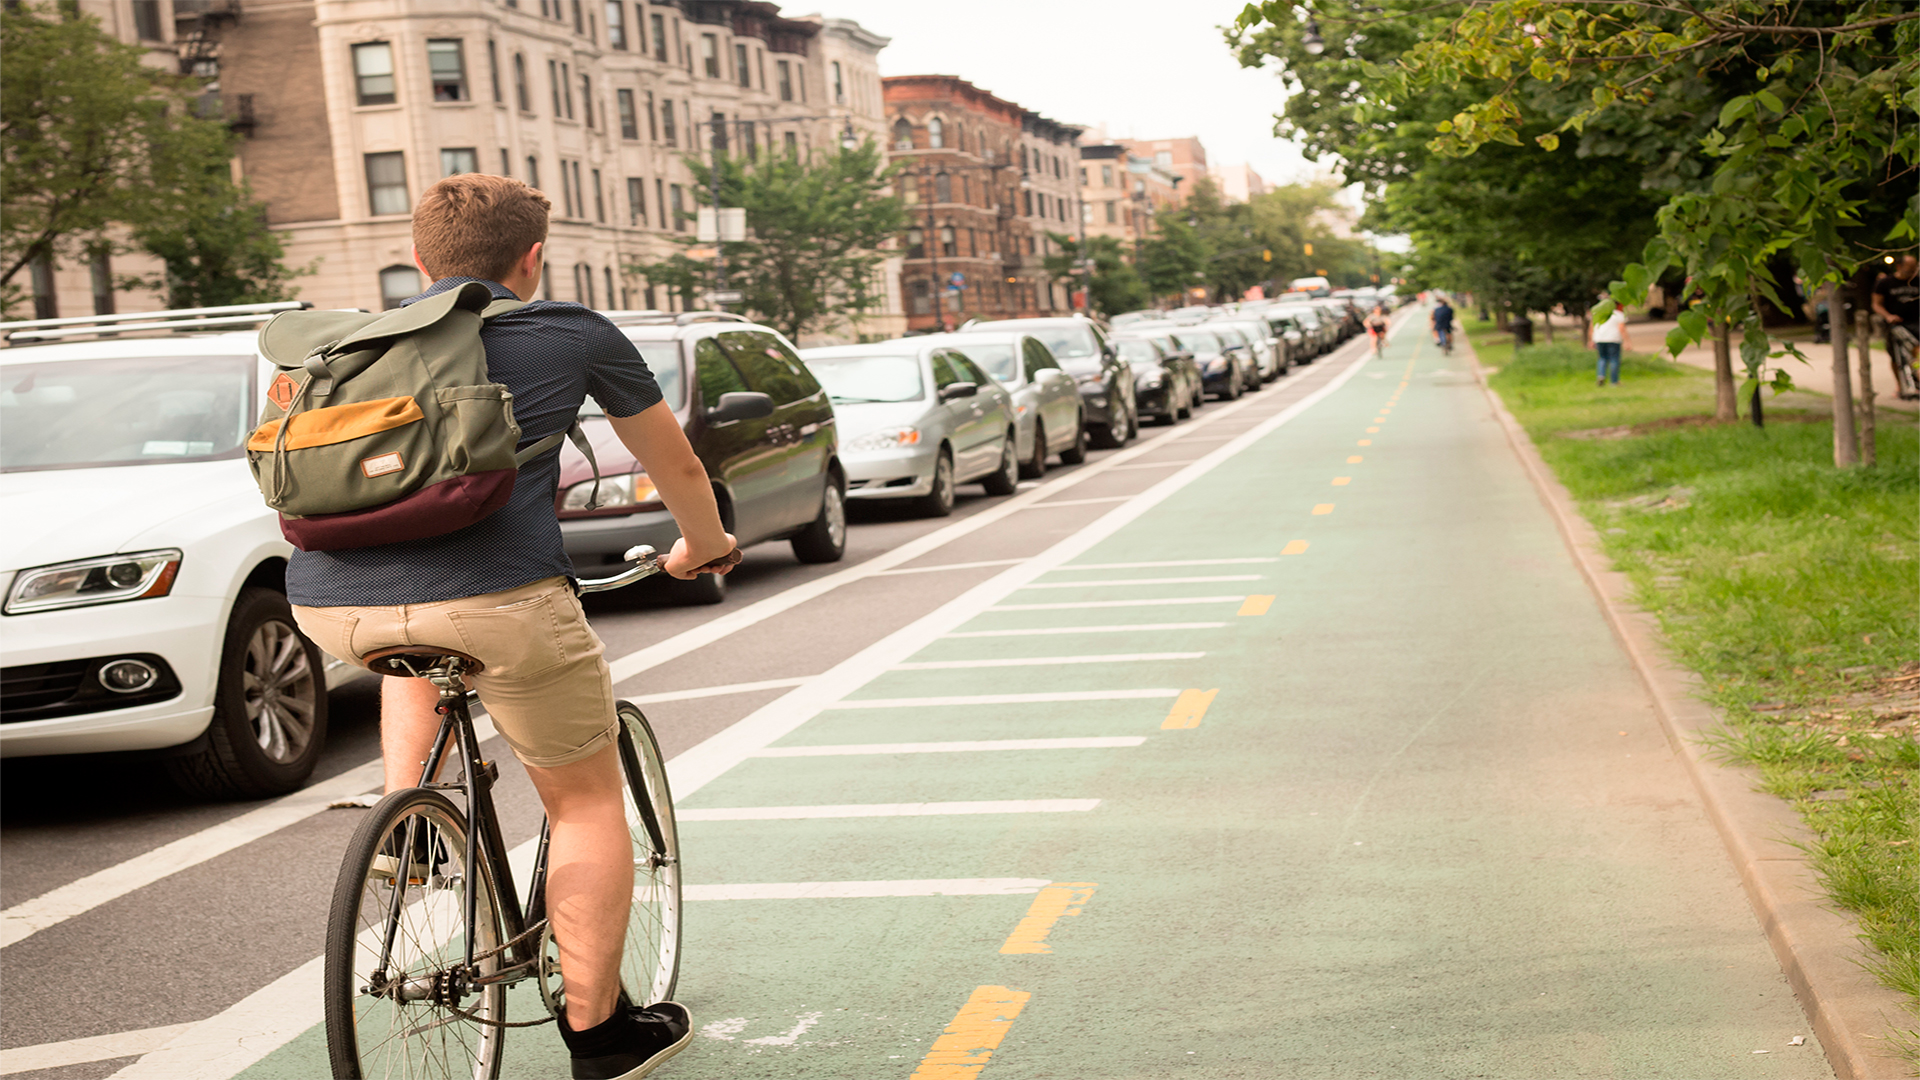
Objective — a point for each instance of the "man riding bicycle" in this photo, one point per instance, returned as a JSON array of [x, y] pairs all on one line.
[[1896, 299], [501, 590], [1443, 323], [1377, 323]]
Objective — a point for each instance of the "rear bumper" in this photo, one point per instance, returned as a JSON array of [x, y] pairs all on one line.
[[597, 541]]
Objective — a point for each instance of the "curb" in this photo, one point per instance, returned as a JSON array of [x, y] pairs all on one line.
[[1818, 946]]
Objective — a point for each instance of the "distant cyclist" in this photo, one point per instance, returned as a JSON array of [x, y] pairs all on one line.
[[1896, 299], [1377, 328], [1443, 323]]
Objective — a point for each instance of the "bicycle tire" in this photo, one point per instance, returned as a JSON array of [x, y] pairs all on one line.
[[433, 1041], [650, 957]]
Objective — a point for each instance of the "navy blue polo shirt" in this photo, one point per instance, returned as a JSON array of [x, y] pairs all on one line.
[[551, 355]]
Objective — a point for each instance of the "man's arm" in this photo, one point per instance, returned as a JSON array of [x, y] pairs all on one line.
[[655, 438], [1880, 306]]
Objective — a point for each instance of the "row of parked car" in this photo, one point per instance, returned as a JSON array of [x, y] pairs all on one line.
[[145, 603]]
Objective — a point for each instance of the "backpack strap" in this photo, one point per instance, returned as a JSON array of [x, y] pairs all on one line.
[[579, 437], [501, 307]]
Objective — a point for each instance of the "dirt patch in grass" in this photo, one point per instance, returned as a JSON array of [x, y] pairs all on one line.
[[1672, 423]]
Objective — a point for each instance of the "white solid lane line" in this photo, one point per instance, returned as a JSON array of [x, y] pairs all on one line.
[[1092, 742], [225, 1044], [838, 890], [1047, 661], [873, 810], [1169, 563], [98, 1048], [1088, 629], [717, 691], [1155, 465], [1161, 602], [1143, 581], [992, 699], [1051, 503], [948, 566]]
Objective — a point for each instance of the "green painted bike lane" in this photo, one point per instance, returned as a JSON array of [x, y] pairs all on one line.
[[1427, 826]]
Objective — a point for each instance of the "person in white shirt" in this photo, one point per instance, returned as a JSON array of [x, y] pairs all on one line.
[[1608, 339]]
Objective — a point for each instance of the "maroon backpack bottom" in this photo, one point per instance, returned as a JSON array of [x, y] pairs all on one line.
[[432, 511]]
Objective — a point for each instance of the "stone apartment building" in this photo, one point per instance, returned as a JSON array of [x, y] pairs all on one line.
[[1239, 183], [1125, 193], [985, 181], [350, 108], [1185, 158]]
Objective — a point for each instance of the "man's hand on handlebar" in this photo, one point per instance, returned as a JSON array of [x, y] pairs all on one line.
[[686, 564]]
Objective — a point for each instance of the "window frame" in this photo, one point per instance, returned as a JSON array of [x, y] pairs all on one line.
[[710, 55], [459, 83], [399, 159], [361, 97], [624, 104], [636, 202], [388, 300], [743, 71], [616, 22], [473, 157]]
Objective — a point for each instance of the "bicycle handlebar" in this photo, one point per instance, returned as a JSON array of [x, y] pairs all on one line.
[[647, 565]]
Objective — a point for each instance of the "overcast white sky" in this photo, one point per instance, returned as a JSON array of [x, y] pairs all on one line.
[[1145, 70]]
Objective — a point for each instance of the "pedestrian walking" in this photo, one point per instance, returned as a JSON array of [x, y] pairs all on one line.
[[1608, 339], [1896, 299]]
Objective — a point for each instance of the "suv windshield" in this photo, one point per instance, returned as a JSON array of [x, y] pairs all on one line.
[[1202, 342], [864, 380], [663, 359], [134, 411], [1138, 353], [998, 360]]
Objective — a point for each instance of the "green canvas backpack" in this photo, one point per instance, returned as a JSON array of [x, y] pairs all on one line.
[[382, 428]]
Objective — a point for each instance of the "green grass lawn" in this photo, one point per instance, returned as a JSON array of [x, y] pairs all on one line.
[[1792, 587]]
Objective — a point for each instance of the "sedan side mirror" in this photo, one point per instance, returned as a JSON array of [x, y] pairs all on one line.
[[958, 390], [740, 405]]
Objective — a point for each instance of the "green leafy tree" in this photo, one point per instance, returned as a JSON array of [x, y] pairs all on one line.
[[1115, 287], [815, 225], [1174, 259], [95, 144]]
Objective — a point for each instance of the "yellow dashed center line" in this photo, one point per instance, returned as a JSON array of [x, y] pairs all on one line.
[[1323, 508], [1353, 459], [1188, 709], [964, 1048], [1055, 902], [1373, 431], [1342, 481], [1294, 547], [1365, 442], [1256, 604]]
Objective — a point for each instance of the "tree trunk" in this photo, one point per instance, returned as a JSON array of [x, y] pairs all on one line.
[[1844, 453], [1726, 407], [1869, 455], [1547, 315]]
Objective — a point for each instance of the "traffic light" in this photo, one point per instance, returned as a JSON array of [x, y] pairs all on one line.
[[1266, 254], [1309, 249]]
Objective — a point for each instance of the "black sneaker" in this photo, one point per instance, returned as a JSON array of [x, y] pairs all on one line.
[[631, 1043]]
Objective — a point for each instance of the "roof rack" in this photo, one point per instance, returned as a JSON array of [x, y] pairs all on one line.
[[232, 315], [671, 318]]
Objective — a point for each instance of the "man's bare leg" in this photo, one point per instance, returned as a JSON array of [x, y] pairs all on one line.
[[589, 880], [407, 727]]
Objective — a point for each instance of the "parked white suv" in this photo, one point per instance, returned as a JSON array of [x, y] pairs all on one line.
[[145, 604]]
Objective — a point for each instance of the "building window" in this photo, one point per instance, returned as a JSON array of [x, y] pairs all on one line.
[[397, 283], [660, 201], [916, 244], [533, 171], [566, 189], [800, 73], [710, 54], [629, 120], [579, 24], [749, 140], [607, 276], [936, 133], [784, 72], [636, 202], [387, 183], [520, 83], [677, 202], [586, 99], [793, 144], [373, 72], [740, 69], [659, 28], [666, 122], [579, 192], [599, 199], [1111, 218], [100, 272], [493, 69], [902, 134], [948, 245], [146, 23], [506, 162], [447, 66], [1106, 176], [566, 87], [1026, 202], [839, 87], [943, 188], [553, 80], [459, 160], [617, 24]]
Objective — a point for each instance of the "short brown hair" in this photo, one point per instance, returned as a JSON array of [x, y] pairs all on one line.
[[475, 225]]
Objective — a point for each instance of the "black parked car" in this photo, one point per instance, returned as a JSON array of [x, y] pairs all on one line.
[[761, 425], [1226, 367], [1085, 350], [1166, 381]]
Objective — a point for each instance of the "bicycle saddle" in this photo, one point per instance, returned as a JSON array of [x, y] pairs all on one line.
[[412, 661]]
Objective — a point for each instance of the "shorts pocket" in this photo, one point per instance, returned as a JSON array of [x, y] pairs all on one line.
[[518, 641], [331, 629]]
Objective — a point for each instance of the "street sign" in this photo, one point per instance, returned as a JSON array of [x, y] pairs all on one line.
[[958, 280], [733, 224], [704, 228], [702, 252], [726, 296]]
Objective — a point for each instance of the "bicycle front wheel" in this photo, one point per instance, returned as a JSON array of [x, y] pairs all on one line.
[[398, 999], [650, 960]]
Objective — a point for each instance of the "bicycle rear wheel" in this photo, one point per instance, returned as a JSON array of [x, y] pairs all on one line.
[[400, 1018], [650, 960]]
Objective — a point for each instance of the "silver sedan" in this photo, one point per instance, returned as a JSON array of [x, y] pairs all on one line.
[[916, 418], [1046, 402]]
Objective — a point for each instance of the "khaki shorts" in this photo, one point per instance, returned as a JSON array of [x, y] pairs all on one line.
[[546, 682]]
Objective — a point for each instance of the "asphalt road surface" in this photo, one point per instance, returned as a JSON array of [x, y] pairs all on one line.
[[1284, 742]]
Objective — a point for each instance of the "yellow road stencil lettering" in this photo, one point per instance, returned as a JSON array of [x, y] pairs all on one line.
[[1342, 481], [1323, 508], [1055, 902], [1256, 605], [1354, 459], [1188, 709], [963, 1049], [1294, 547]]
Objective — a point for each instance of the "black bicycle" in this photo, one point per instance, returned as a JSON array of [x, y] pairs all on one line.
[[426, 939]]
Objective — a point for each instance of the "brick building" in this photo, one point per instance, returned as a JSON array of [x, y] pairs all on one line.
[[1184, 158], [1124, 193], [351, 108], [985, 181]]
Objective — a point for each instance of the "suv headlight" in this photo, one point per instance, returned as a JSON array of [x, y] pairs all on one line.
[[626, 489], [1151, 381], [885, 439], [105, 580]]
